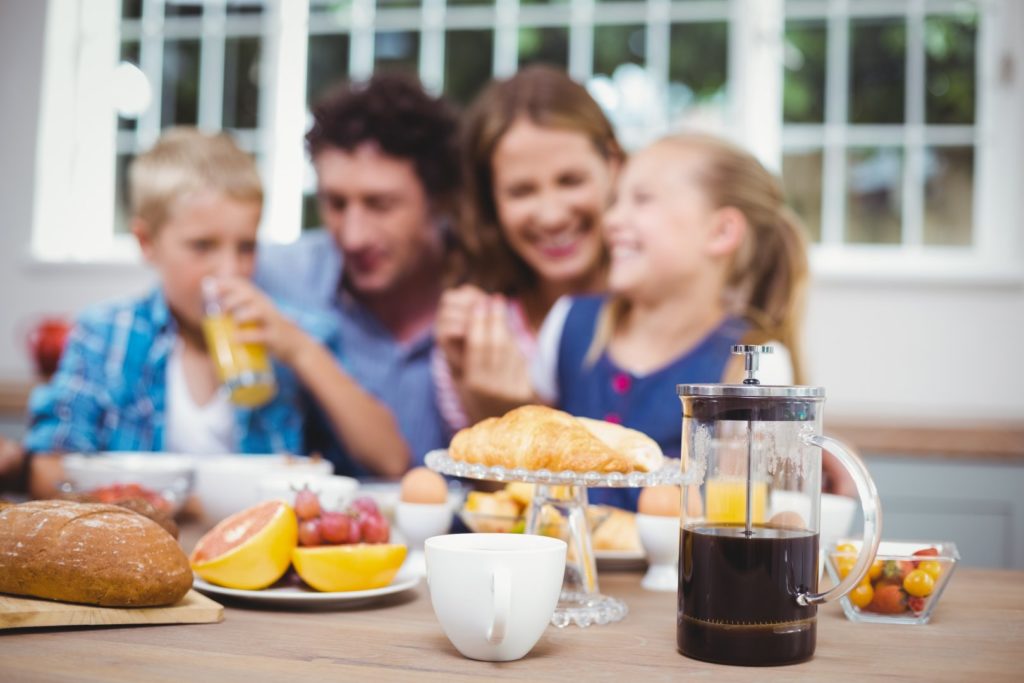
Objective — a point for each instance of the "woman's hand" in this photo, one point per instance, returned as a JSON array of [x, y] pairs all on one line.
[[496, 373], [258, 321], [454, 314]]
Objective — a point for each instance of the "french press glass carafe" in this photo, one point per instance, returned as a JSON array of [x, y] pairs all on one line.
[[748, 557]]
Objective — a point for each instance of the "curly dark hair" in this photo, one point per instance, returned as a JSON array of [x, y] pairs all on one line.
[[393, 111]]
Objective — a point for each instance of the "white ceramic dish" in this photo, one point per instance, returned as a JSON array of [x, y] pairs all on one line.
[[226, 484], [305, 598], [386, 495]]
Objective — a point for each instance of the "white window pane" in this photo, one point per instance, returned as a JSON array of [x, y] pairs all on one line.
[[180, 87], [950, 69], [241, 82], [616, 45], [874, 195], [801, 183], [949, 195], [877, 70], [804, 55], [468, 63], [549, 45]]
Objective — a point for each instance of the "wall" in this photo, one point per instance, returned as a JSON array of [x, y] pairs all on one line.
[[28, 289], [935, 351]]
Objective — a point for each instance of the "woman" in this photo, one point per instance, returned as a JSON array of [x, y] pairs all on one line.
[[540, 160]]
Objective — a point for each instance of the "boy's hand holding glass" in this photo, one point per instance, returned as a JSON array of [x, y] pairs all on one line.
[[240, 326]]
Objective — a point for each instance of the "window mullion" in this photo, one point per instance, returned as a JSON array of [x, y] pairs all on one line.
[[756, 34], [837, 74], [211, 65], [432, 45], [506, 38], [913, 168], [361, 47], [581, 40], [151, 58], [658, 47], [283, 118]]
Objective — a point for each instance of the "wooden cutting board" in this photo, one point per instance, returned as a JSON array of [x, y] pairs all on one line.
[[30, 613]]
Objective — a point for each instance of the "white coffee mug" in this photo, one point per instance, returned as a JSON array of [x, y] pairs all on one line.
[[494, 594]]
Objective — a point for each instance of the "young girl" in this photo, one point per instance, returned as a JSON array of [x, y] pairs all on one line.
[[540, 160], [704, 255]]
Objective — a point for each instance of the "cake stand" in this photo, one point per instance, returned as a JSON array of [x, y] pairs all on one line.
[[581, 602]]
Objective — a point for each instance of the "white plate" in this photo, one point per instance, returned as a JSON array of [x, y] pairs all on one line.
[[303, 597]]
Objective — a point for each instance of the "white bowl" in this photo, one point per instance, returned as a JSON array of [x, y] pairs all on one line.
[[226, 484], [333, 490], [417, 522], [170, 475], [387, 495], [659, 536]]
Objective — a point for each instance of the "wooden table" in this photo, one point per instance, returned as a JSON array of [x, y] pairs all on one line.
[[977, 633]]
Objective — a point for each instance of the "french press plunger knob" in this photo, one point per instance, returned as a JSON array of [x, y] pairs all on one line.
[[751, 354]]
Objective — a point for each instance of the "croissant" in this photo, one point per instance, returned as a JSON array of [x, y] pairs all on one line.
[[537, 437]]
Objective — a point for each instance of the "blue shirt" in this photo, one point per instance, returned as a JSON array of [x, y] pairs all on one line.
[[109, 392], [646, 402], [308, 272]]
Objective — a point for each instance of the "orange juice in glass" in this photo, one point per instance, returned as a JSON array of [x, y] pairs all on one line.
[[727, 501], [244, 369]]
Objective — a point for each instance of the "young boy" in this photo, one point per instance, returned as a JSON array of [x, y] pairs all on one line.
[[136, 375]]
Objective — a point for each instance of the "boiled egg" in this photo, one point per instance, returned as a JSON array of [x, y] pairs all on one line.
[[423, 486], [663, 501]]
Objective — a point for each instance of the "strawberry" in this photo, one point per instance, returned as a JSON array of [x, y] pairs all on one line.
[[889, 599]]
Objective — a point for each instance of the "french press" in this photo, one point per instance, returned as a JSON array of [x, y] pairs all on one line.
[[748, 554]]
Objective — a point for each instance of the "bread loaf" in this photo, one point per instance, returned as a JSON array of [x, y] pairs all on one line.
[[89, 553], [538, 437]]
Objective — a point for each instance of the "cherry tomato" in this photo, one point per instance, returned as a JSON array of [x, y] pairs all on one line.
[[875, 571], [862, 595], [919, 583], [844, 565], [916, 604], [931, 567], [925, 552], [846, 548]]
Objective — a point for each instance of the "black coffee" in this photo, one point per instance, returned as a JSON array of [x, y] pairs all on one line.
[[737, 594]]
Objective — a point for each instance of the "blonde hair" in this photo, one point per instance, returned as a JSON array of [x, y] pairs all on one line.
[[185, 161], [766, 280], [547, 97]]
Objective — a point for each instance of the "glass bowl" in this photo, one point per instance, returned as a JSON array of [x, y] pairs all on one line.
[[164, 480], [553, 522], [904, 584]]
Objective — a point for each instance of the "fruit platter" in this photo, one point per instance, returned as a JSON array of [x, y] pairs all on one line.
[[298, 553]]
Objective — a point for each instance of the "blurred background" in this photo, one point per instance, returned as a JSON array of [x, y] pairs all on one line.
[[896, 126]]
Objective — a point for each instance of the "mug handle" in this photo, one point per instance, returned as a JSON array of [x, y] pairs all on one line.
[[501, 587], [872, 508]]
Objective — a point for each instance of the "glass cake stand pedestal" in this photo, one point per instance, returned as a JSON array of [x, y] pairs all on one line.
[[581, 602]]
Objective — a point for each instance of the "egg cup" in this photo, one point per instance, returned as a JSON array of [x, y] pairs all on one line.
[[660, 538], [417, 522]]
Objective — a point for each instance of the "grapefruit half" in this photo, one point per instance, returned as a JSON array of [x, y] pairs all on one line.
[[250, 549], [356, 567]]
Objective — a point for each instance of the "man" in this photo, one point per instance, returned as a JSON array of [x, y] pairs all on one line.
[[386, 159]]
